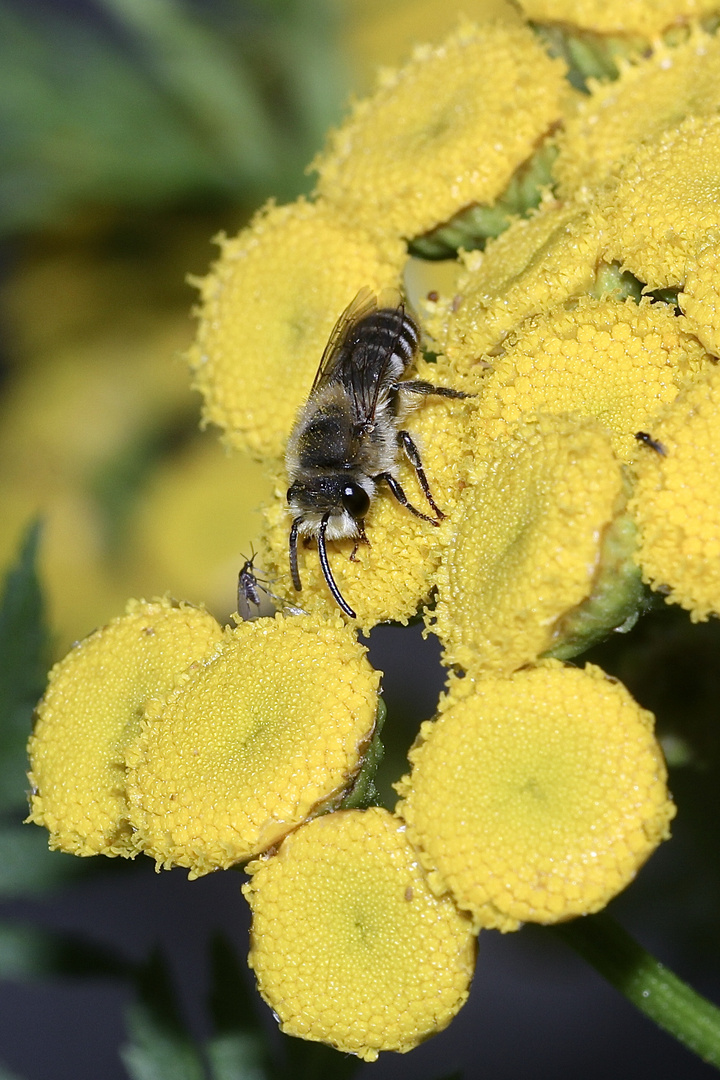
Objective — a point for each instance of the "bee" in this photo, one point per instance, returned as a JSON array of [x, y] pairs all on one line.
[[250, 588], [654, 444], [347, 438]]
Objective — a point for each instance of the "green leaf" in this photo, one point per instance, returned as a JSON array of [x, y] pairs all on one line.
[[159, 1046], [6, 1074], [237, 1057], [237, 1051], [27, 867], [23, 667], [27, 952]]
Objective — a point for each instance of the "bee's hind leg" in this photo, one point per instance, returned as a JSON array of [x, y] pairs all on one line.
[[413, 456]]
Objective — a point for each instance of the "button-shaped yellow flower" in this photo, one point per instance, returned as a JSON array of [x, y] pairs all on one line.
[[700, 298], [271, 730], [617, 361], [393, 575], [268, 307], [677, 500], [349, 945], [526, 546], [537, 797], [649, 97], [647, 17], [535, 264], [429, 142], [92, 709], [665, 202]]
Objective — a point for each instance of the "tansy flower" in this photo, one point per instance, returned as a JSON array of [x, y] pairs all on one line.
[[389, 578], [617, 361], [526, 547], [349, 945], [646, 17], [267, 311], [677, 500], [268, 732], [665, 202], [448, 129], [536, 798], [649, 97], [700, 298], [537, 263], [91, 710]]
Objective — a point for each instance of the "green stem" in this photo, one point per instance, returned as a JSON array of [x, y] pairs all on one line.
[[647, 983]]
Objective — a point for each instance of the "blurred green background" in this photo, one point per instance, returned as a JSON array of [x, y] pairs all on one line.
[[131, 132]]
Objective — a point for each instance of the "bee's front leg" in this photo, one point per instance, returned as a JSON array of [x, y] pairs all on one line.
[[361, 539]]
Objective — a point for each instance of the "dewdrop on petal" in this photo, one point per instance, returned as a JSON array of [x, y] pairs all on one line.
[[537, 797], [271, 731], [92, 709], [676, 502], [349, 945]]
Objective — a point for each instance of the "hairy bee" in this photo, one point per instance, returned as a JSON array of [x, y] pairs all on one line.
[[347, 437]]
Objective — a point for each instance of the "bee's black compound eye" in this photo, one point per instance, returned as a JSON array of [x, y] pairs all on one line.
[[355, 500]]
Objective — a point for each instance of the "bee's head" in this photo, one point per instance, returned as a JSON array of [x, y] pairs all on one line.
[[340, 495]]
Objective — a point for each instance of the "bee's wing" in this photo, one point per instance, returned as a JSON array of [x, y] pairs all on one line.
[[360, 364]]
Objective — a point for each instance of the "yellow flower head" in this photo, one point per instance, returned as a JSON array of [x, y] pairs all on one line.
[[665, 201], [535, 264], [649, 97], [92, 709], [448, 129], [525, 546], [536, 798], [349, 945], [677, 500], [646, 17], [268, 308], [392, 576], [700, 298], [271, 730], [614, 360]]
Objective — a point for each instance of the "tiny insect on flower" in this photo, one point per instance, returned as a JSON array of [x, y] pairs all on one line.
[[347, 436]]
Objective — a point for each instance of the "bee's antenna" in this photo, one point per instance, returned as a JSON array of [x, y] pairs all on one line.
[[294, 572], [327, 572]]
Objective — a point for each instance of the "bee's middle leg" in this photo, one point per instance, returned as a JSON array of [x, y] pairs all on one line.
[[413, 456], [402, 498]]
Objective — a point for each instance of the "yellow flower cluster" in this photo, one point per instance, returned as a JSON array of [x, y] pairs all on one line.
[[581, 465], [161, 733]]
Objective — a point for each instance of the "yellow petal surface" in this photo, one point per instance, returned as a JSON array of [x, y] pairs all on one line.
[[349, 945], [665, 201], [649, 97], [536, 798], [393, 575], [264, 735], [535, 264], [92, 709], [525, 546], [648, 17], [613, 360], [677, 500], [700, 298], [448, 129], [268, 307]]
